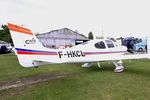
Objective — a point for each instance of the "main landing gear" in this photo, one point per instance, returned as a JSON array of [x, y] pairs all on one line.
[[90, 65], [87, 65], [119, 66]]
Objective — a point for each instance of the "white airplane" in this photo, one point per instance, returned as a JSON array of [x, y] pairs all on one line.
[[31, 52]]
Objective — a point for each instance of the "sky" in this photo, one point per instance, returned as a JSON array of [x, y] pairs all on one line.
[[111, 17]]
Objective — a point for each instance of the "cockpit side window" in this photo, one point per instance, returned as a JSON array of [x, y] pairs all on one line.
[[109, 44], [100, 45]]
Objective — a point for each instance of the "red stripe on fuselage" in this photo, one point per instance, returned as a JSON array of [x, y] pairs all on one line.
[[34, 53]]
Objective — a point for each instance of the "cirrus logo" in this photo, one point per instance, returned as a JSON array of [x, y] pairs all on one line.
[[32, 41]]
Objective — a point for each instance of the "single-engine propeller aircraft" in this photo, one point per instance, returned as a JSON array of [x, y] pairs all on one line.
[[31, 52]]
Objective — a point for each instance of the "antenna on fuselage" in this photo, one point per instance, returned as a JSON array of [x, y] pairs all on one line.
[[102, 32]]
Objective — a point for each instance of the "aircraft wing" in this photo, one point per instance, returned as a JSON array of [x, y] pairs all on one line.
[[128, 56]]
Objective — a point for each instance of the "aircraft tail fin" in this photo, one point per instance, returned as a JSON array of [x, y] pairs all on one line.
[[26, 45], [23, 38]]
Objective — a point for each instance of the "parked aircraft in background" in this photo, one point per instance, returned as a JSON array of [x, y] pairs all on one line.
[[31, 53]]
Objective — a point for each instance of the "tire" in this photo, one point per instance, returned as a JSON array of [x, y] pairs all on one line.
[[140, 49]]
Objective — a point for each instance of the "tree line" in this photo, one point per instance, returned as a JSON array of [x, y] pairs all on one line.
[[5, 34]]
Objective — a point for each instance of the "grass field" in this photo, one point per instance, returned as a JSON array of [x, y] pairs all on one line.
[[80, 84]]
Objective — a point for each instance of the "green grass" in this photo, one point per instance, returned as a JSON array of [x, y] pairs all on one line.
[[82, 83], [10, 68]]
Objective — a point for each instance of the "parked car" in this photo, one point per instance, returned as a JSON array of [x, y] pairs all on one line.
[[5, 47], [140, 45], [136, 44]]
